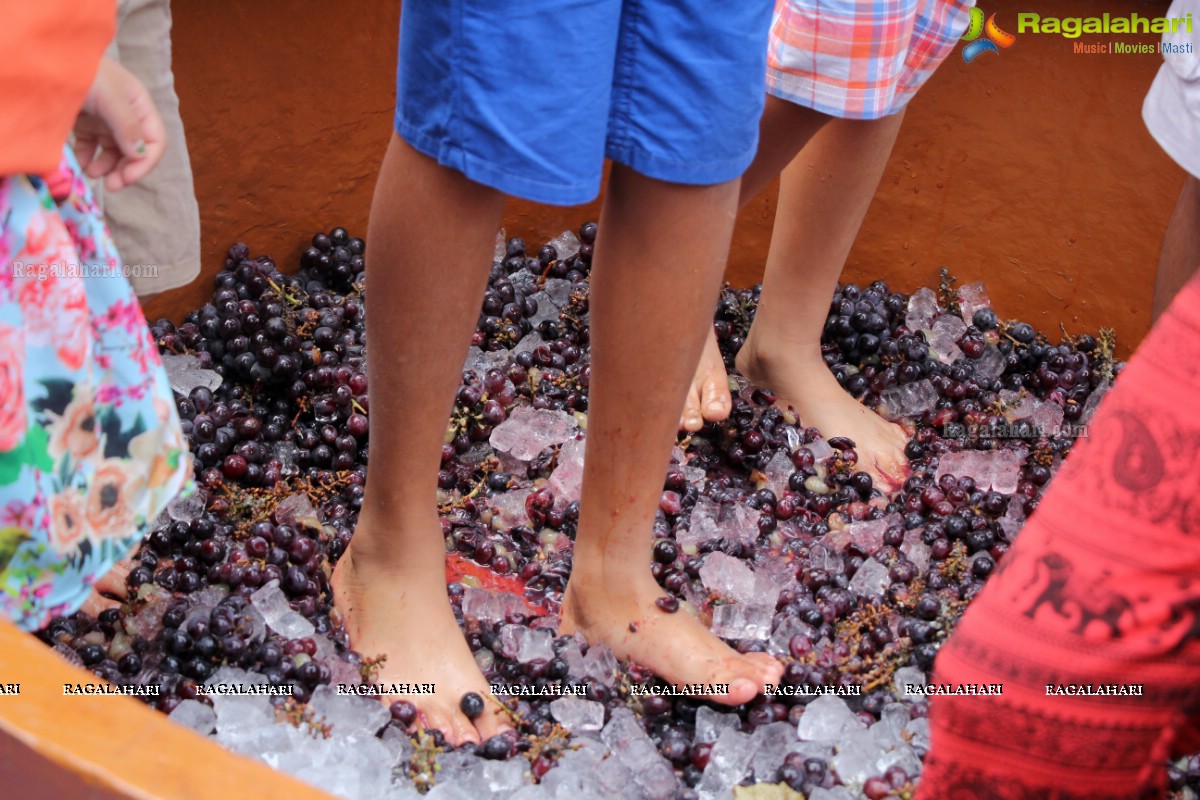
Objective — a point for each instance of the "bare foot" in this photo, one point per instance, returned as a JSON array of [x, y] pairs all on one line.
[[802, 380], [676, 647], [708, 398], [109, 590], [403, 612]]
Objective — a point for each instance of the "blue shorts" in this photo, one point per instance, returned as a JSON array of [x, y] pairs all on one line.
[[530, 96]]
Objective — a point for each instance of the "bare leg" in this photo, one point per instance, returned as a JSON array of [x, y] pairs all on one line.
[[1180, 253], [784, 130], [657, 274], [834, 170], [390, 584], [822, 201]]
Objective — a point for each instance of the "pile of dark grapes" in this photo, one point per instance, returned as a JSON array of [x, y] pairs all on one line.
[[291, 419]]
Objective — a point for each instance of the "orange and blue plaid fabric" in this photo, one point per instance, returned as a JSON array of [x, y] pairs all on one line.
[[859, 59]]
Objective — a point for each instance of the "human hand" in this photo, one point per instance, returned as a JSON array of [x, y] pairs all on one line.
[[119, 134]]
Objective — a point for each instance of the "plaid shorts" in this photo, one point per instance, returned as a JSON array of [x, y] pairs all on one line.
[[860, 59]]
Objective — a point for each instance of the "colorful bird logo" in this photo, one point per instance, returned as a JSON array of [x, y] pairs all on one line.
[[996, 38]]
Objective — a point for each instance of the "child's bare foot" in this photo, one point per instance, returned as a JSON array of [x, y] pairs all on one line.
[[675, 646], [708, 398], [402, 611], [109, 591], [802, 380]]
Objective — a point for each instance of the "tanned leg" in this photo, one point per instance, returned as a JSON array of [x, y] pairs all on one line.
[[656, 275], [823, 198], [390, 585]]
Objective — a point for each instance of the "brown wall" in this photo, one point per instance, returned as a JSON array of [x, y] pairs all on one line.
[[1031, 169]]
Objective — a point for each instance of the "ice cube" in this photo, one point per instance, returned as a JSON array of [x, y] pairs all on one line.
[[566, 244], [710, 723], [826, 719], [950, 326], [776, 569], [184, 373], [545, 310], [500, 247], [703, 526], [241, 713], [999, 470], [508, 509], [297, 510], [278, 615], [526, 644], [502, 778], [944, 347], [971, 298], [918, 731], [886, 733], [772, 743], [147, 622], [905, 677], [186, 508], [922, 306], [480, 361], [1006, 471], [991, 362], [903, 757], [529, 431], [349, 715], [559, 291], [285, 453], [1093, 401], [917, 552], [195, 715], [820, 449], [599, 664], [567, 479], [781, 637], [908, 400], [488, 606], [737, 621], [638, 754], [871, 580], [856, 757], [578, 715], [779, 470], [728, 763], [821, 557], [728, 577], [740, 524], [1014, 517], [867, 535]]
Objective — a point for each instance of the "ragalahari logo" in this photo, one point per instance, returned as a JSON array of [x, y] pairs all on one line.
[[993, 41]]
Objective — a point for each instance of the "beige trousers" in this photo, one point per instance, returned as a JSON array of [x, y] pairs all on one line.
[[155, 222]]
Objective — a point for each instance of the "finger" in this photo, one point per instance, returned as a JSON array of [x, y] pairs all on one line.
[[84, 149], [105, 160], [152, 138]]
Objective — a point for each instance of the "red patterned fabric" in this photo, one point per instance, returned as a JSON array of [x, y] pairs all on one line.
[[1102, 587]]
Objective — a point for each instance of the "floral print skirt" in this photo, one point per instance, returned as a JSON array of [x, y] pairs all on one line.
[[91, 449]]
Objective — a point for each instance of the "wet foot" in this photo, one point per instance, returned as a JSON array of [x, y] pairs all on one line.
[[803, 381], [109, 591], [674, 646], [708, 398], [403, 612]]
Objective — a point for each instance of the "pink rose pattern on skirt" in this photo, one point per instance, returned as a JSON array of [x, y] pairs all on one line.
[[91, 449]]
